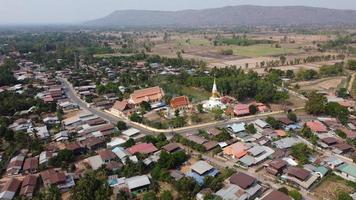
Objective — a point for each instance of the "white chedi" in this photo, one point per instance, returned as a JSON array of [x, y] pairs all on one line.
[[214, 101]]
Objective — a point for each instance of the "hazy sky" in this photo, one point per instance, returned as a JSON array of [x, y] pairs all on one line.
[[74, 11]]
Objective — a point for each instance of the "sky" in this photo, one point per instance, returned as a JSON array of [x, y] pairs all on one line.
[[77, 11]]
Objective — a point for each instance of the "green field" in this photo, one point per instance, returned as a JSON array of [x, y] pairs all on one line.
[[261, 50], [196, 94]]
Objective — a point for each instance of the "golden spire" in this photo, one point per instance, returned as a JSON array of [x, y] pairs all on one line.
[[214, 92]]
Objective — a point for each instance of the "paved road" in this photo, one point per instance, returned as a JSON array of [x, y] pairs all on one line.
[[148, 130]]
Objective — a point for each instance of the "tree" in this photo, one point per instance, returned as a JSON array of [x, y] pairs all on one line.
[[195, 118], [342, 92], [343, 196], [340, 133], [178, 122], [145, 106], [92, 186], [316, 104], [295, 195], [253, 109], [187, 187], [129, 143], [121, 125], [250, 128], [63, 158], [50, 193], [273, 122], [301, 152], [149, 196], [292, 116], [200, 108], [217, 113], [334, 109], [307, 132], [135, 118], [166, 195]]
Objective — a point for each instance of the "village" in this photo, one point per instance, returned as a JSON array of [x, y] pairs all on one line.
[[250, 149]]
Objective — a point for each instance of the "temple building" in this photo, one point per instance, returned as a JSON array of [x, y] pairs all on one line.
[[215, 100]]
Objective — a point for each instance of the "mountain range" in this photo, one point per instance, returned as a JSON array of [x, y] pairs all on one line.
[[243, 15]]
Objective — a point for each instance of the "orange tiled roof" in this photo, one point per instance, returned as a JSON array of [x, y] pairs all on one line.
[[147, 94], [178, 102]]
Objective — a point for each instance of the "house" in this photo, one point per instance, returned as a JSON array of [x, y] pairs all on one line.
[[342, 148], [135, 184], [329, 141], [131, 132], [15, 165], [210, 145], [236, 128], [242, 110], [31, 165], [150, 95], [9, 189], [171, 147], [276, 195], [107, 156], [51, 120], [57, 178], [93, 143], [138, 184], [285, 121], [300, 176], [261, 124], [75, 147], [236, 150], [121, 153], [276, 167], [286, 143], [179, 103], [332, 162], [115, 142], [241, 187], [41, 132], [317, 127], [213, 131], [196, 139], [45, 156], [176, 174], [144, 148], [256, 155], [200, 170], [61, 136], [122, 108], [21, 125], [28, 187], [347, 171]]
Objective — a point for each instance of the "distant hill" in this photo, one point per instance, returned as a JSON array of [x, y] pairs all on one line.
[[231, 15]]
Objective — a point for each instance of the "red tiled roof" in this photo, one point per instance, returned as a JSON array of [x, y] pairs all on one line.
[[147, 94], [317, 126], [179, 102], [144, 148], [241, 109]]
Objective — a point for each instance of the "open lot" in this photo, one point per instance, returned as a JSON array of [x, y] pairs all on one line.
[[331, 186], [324, 84]]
